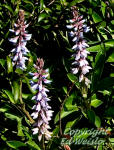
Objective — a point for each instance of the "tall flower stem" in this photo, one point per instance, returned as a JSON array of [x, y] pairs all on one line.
[[21, 100], [43, 142], [61, 107], [22, 107]]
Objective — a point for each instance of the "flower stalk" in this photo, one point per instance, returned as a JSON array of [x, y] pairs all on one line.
[[20, 51], [80, 64], [42, 111]]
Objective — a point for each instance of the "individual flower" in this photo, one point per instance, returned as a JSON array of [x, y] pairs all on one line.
[[80, 64], [20, 40], [42, 111]]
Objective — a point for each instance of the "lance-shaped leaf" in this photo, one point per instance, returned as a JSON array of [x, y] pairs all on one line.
[[16, 90], [9, 65]]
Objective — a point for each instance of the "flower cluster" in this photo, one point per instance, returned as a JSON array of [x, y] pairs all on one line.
[[20, 51], [80, 64], [42, 111]]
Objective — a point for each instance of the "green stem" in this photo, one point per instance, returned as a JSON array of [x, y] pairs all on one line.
[[61, 107], [43, 144], [23, 105], [20, 95]]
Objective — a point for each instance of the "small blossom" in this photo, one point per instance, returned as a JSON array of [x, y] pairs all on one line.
[[78, 28], [42, 111], [20, 51]]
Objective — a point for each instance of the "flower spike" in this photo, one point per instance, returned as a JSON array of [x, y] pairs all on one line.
[[42, 111], [20, 51], [80, 64]]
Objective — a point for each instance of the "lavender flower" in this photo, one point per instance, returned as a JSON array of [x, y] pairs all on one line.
[[42, 111], [80, 64], [20, 51]]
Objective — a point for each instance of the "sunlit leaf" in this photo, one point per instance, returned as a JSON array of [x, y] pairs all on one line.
[[9, 95], [16, 90], [96, 17], [97, 122], [95, 103], [9, 65], [15, 144]]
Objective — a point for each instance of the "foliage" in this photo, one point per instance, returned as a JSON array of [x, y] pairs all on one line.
[[50, 41]]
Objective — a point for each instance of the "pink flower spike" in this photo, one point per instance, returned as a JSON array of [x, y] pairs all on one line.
[[80, 63], [20, 51], [42, 111]]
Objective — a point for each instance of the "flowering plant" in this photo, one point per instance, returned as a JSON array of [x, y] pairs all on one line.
[[75, 40]]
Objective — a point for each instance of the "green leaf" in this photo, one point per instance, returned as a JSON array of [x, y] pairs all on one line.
[[13, 1], [91, 115], [15, 144], [9, 65], [2, 62], [47, 10], [9, 95], [33, 145], [98, 69], [103, 8], [100, 147], [20, 128], [65, 37], [46, 27], [74, 2], [8, 7], [112, 22], [72, 77], [30, 63], [68, 103], [112, 75], [95, 48], [109, 43], [64, 114], [99, 47], [5, 108], [97, 122], [95, 103], [111, 141], [25, 96], [28, 2], [19, 71], [70, 124], [41, 4], [16, 91], [111, 58], [42, 17], [12, 116], [19, 122], [65, 89], [105, 92], [96, 17]]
